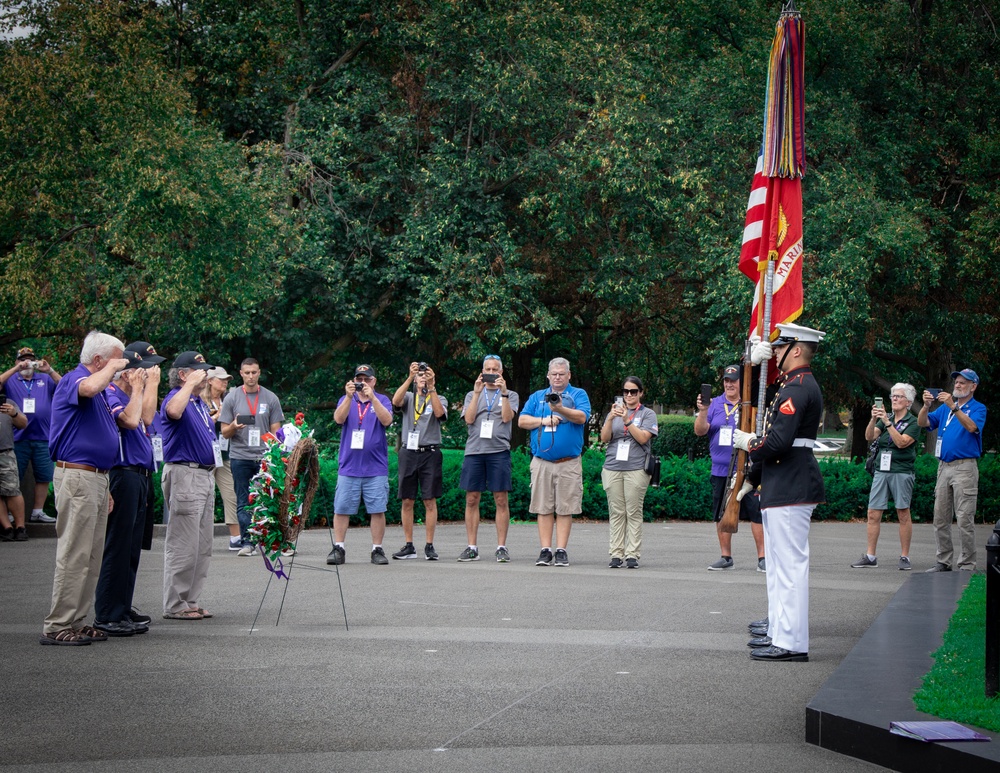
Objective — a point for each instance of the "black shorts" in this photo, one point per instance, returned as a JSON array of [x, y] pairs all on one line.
[[749, 505], [420, 474], [486, 472]]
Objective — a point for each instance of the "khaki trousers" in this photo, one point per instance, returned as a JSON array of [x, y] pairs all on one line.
[[187, 551], [224, 482], [626, 491], [81, 525], [955, 496]]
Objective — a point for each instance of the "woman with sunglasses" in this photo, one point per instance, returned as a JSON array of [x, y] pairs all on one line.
[[627, 429]]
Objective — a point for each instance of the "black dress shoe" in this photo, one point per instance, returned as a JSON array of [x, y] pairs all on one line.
[[121, 628], [778, 653], [137, 627], [938, 567], [759, 631], [761, 641], [758, 624]]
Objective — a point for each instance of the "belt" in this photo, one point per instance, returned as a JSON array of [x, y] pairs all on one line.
[[804, 442], [560, 461], [424, 449], [135, 468], [75, 466], [195, 465], [966, 459]]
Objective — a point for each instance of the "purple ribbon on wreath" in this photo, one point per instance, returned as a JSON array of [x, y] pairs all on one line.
[[280, 571]]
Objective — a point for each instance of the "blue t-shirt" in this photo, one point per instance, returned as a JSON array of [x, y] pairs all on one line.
[[721, 413], [82, 430], [136, 447], [190, 438], [373, 458], [567, 439], [956, 441], [39, 388]]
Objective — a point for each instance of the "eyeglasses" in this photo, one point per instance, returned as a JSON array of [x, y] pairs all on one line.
[[366, 379], [630, 391], [897, 397]]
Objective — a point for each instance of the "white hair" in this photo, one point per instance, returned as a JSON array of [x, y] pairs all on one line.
[[907, 389], [557, 361], [98, 344]]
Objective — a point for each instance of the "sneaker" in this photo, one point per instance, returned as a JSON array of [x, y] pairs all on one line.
[[407, 551], [138, 617], [904, 564], [37, 516], [762, 565], [337, 556], [503, 556], [20, 535], [562, 559], [288, 552], [722, 563], [378, 557], [469, 554], [616, 563], [429, 552], [631, 563], [248, 549], [864, 562], [235, 543], [6, 534], [544, 558]]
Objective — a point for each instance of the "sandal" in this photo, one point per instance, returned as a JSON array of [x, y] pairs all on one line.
[[67, 636], [187, 614], [204, 612], [90, 633]]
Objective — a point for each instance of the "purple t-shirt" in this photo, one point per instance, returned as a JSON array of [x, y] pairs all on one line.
[[189, 439], [721, 413], [373, 459], [136, 447], [39, 388], [82, 430]]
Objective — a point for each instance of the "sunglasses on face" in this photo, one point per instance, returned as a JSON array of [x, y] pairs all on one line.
[[630, 391]]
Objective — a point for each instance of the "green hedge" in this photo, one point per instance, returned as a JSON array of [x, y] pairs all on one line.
[[684, 492]]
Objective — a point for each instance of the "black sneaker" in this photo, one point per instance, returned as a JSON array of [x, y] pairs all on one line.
[[429, 552], [562, 559], [616, 563], [631, 563], [502, 555], [337, 556], [469, 554], [138, 617], [378, 557], [6, 534], [544, 558], [20, 535], [121, 628], [407, 551]]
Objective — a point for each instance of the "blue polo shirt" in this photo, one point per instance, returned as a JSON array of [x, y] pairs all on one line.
[[189, 439], [956, 441], [136, 447], [41, 388], [82, 430], [567, 439]]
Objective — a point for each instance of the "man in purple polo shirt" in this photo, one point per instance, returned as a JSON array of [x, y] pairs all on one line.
[[31, 384], [190, 454], [132, 397], [83, 441], [363, 469]]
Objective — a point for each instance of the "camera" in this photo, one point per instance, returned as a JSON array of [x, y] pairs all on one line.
[[422, 366], [552, 397], [36, 364], [359, 386]]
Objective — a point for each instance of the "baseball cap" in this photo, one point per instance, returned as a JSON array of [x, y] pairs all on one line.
[[968, 374], [191, 360], [218, 372], [364, 370], [731, 373], [26, 353], [147, 356]]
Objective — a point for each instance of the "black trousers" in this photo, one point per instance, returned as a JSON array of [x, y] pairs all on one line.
[[122, 545]]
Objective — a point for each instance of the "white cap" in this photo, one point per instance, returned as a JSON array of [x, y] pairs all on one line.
[[789, 334]]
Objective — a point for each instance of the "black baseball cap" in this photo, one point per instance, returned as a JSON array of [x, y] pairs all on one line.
[[731, 373], [191, 360], [145, 355], [364, 370]]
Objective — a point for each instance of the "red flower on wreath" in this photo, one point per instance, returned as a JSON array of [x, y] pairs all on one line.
[[252, 498], [299, 418]]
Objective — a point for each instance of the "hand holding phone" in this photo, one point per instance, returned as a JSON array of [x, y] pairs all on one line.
[[245, 419], [706, 394]]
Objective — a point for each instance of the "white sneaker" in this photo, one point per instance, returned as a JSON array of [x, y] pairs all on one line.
[[37, 516], [248, 550]]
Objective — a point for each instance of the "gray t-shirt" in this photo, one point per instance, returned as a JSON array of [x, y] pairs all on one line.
[[428, 425], [645, 418], [7, 430], [489, 409], [266, 409]]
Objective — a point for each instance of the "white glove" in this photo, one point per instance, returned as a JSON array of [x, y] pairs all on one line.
[[761, 351], [743, 439], [745, 489]]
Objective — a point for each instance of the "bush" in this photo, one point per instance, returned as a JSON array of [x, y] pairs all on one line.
[[676, 436]]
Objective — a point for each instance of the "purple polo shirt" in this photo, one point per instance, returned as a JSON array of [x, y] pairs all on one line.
[[82, 430], [373, 459], [41, 388], [721, 413], [189, 439], [136, 447]]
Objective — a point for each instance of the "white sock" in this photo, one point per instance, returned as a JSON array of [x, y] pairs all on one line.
[[870, 557]]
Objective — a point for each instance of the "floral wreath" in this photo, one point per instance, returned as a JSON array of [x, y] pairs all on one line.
[[281, 492]]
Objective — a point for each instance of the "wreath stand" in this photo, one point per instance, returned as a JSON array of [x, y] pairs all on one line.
[[304, 460]]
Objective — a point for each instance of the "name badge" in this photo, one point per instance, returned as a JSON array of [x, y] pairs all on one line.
[[157, 441], [621, 454], [885, 461], [412, 441], [937, 448], [726, 436], [217, 452], [486, 429], [358, 439], [253, 437], [223, 443], [29, 405]]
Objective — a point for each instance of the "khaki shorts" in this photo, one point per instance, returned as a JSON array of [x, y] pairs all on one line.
[[556, 487], [10, 483]]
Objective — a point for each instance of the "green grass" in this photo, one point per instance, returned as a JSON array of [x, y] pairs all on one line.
[[955, 688]]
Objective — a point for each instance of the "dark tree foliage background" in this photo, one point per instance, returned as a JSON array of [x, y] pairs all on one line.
[[318, 184]]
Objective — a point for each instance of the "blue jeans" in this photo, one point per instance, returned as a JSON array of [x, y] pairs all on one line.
[[243, 470]]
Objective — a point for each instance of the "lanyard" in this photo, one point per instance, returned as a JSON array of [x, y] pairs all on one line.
[[631, 418], [362, 414], [28, 384], [490, 403], [736, 408], [252, 407], [418, 409]]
